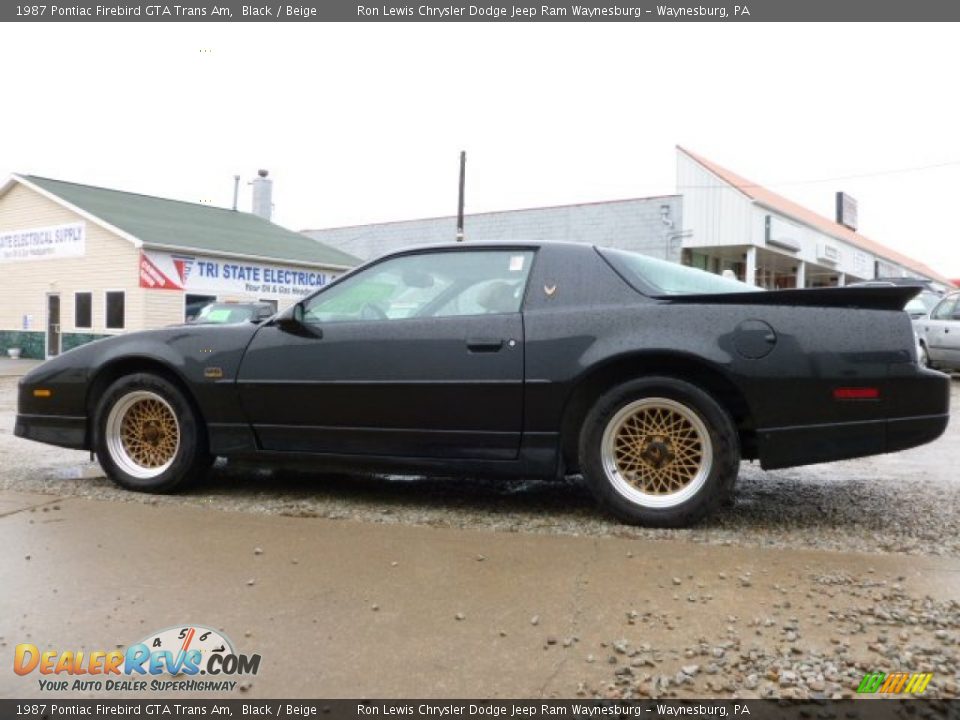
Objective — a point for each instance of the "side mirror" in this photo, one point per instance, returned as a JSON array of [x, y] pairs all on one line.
[[292, 321]]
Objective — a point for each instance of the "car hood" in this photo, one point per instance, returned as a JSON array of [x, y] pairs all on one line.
[[170, 344]]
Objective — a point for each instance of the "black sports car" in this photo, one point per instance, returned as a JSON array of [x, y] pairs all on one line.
[[532, 359]]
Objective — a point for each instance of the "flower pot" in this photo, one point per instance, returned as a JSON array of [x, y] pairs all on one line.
[[14, 353]]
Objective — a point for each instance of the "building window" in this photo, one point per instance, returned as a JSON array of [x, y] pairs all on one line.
[[701, 261], [115, 310], [82, 310], [193, 304]]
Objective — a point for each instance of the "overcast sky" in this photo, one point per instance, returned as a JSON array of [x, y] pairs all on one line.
[[363, 123]]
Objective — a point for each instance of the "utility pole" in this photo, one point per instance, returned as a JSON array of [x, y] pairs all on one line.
[[463, 173]]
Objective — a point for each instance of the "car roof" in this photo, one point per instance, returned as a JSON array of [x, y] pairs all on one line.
[[902, 280], [467, 245]]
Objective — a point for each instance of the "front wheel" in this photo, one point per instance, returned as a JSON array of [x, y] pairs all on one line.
[[659, 452], [148, 437], [924, 358]]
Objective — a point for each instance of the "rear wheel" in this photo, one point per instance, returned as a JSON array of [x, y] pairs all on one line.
[[659, 451], [148, 437]]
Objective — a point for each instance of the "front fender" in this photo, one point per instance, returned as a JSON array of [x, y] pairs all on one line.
[[204, 360]]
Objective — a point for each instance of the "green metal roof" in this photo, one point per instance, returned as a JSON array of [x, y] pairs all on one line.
[[174, 223]]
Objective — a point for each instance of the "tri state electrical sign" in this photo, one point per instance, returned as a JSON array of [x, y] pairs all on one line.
[[168, 271]]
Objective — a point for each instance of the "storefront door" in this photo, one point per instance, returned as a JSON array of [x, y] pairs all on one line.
[[53, 325]]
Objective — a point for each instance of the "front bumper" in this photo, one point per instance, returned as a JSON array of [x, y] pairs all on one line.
[[60, 430]]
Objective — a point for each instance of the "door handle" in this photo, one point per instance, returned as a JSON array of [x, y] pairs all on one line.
[[484, 345]]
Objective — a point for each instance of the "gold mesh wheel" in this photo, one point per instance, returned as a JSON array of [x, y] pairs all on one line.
[[143, 435], [657, 452]]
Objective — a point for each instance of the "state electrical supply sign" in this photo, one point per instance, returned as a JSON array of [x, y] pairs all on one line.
[[43, 243], [198, 273]]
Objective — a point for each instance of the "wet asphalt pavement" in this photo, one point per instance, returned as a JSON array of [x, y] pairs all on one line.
[[811, 578]]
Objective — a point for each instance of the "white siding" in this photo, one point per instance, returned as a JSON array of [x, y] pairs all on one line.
[[110, 263], [162, 307], [715, 213]]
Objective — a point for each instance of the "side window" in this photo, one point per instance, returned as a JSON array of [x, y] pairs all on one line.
[[440, 284], [944, 310], [486, 296]]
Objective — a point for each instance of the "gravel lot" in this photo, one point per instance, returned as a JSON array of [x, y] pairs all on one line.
[[861, 624], [908, 503]]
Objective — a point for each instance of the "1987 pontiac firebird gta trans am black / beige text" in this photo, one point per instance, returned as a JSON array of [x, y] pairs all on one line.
[[651, 379]]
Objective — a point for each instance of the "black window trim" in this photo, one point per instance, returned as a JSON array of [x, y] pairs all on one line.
[[479, 247], [428, 250]]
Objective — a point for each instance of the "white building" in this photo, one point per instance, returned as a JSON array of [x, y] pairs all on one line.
[[717, 221], [78, 263], [645, 225], [734, 224]]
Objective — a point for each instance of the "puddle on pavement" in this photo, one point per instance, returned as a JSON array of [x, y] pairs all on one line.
[[245, 477]]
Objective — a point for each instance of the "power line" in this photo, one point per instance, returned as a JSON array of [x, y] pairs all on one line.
[[854, 176]]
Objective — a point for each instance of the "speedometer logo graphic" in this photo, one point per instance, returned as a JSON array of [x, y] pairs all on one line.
[[181, 639]]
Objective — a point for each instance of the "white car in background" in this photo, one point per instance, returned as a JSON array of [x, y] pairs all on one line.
[[923, 304], [939, 335]]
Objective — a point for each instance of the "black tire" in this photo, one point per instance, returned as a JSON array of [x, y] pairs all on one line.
[[188, 462], [924, 359], [712, 483]]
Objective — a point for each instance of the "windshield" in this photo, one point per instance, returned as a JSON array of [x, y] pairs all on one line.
[[660, 277], [922, 303]]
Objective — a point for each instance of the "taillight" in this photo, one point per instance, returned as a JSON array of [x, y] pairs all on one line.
[[856, 393]]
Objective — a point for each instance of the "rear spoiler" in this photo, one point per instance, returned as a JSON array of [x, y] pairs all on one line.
[[894, 297]]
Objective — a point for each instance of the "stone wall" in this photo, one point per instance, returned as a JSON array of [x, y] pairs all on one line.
[[30, 342], [71, 340]]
